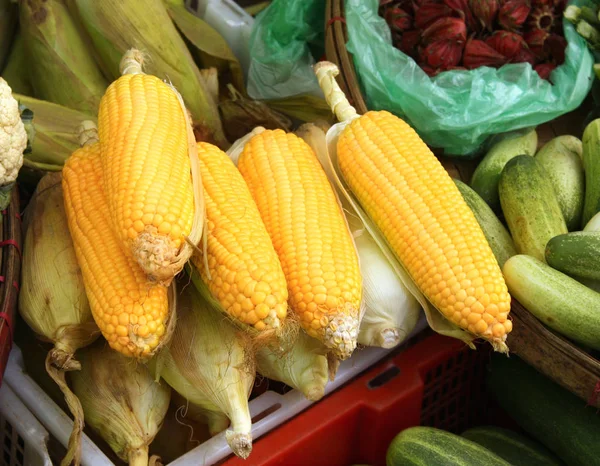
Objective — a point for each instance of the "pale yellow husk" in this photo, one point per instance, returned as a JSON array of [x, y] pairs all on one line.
[[56, 133], [210, 364], [121, 400], [52, 299], [61, 66], [303, 365]]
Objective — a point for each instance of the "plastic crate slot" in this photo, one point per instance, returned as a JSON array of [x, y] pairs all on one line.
[[383, 378], [19, 457], [263, 414], [7, 442]]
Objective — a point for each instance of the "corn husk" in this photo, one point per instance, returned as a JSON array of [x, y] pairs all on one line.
[[208, 47], [391, 311], [61, 67], [326, 73], [303, 366], [16, 69], [52, 298], [305, 108], [55, 133], [115, 26], [241, 115], [121, 400], [8, 22], [210, 364]]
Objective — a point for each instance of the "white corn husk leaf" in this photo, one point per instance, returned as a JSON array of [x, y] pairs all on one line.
[[302, 366], [210, 363], [121, 401]]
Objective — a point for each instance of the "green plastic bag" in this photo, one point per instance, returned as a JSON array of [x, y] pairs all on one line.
[[459, 110], [287, 38]]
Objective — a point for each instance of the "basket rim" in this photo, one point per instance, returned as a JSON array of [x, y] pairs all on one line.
[[10, 268]]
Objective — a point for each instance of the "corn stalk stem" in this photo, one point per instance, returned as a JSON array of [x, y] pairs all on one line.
[[337, 100]]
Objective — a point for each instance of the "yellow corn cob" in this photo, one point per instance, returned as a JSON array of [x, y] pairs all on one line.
[[413, 201], [308, 229], [146, 166], [245, 272], [131, 311]]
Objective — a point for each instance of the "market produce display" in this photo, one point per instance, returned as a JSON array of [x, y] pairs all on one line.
[[184, 242]]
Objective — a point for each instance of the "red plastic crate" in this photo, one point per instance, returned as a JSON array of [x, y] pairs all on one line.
[[437, 382]]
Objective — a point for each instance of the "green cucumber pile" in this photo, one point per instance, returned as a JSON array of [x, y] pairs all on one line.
[[548, 241], [556, 428]]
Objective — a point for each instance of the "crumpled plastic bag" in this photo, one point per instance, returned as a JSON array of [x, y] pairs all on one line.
[[459, 110], [287, 39]]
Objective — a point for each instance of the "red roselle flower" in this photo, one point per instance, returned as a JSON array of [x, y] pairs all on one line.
[[542, 17], [536, 40], [461, 7], [555, 46], [485, 11], [506, 43], [513, 13], [453, 29], [544, 69], [409, 42], [477, 53], [427, 13], [524, 56], [398, 19], [536, 3], [442, 54]]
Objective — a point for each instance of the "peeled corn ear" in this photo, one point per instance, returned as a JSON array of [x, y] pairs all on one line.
[[244, 273], [52, 299], [209, 363], [133, 313], [121, 401], [150, 170], [390, 309], [419, 210], [306, 224]]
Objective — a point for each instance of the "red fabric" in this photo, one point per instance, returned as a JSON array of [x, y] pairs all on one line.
[[11, 242], [336, 18]]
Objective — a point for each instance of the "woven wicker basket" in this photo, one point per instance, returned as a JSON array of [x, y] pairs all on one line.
[[10, 268], [550, 353]]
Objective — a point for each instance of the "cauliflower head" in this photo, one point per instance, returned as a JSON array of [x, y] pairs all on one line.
[[13, 138]]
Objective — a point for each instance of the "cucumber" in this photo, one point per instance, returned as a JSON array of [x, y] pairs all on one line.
[[557, 300], [487, 174], [495, 232], [593, 224], [515, 448], [434, 447], [530, 206], [577, 254], [561, 158], [592, 284], [546, 411], [591, 165]]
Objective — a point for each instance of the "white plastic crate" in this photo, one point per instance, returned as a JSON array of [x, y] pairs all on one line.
[[36, 404], [23, 439], [231, 21], [47, 412]]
